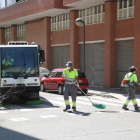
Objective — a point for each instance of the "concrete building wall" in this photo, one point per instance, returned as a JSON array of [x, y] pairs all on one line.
[[60, 37], [110, 31]]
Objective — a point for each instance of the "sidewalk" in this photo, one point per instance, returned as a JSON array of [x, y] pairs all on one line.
[[111, 93]]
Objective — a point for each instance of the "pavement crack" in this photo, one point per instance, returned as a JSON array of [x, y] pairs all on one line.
[[127, 130], [94, 133]]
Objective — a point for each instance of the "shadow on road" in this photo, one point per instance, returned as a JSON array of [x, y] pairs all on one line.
[[7, 134], [80, 113], [107, 111], [22, 105], [46, 103]]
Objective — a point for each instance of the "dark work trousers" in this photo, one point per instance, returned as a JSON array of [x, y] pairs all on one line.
[[131, 96], [70, 90], [131, 93]]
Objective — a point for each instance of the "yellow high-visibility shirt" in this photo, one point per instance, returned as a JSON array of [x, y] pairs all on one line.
[[133, 78], [71, 74]]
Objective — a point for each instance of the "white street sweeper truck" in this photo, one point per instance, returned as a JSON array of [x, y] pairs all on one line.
[[19, 68]]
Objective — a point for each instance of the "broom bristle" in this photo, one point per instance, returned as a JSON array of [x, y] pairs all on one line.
[[2, 104], [34, 102], [100, 106]]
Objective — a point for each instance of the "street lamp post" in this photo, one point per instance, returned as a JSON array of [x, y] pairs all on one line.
[[79, 22]]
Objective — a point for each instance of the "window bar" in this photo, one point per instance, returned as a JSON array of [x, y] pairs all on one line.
[[51, 24], [127, 16], [56, 23], [86, 17], [102, 13], [93, 15]]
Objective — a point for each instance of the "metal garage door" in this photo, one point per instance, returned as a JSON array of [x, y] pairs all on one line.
[[98, 63], [125, 58], [60, 56], [57, 57], [94, 63]]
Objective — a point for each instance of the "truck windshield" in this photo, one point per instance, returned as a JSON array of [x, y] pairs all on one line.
[[18, 62]]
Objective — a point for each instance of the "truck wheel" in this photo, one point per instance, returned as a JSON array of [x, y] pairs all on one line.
[[42, 87], [85, 91], [60, 90]]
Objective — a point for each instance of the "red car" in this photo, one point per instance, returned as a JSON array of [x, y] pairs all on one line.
[[54, 81]]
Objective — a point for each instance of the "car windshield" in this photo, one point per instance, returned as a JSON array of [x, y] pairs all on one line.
[[44, 70], [59, 73], [81, 74], [52, 73], [19, 62]]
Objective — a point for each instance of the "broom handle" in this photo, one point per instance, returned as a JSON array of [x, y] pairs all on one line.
[[81, 90]]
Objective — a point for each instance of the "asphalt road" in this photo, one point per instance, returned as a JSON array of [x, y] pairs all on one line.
[[48, 121]]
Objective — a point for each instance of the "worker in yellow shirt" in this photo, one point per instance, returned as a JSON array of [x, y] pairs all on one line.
[[8, 61], [71, 77], [131, 88]]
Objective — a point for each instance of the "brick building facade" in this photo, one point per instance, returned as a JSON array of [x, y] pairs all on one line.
[[112, 34]]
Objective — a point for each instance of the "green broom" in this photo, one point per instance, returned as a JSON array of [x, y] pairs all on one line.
[[100, 106], [34, 102], [2, 104]]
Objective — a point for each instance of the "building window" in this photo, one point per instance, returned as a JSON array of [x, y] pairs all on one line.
[[8, 32], [12, 2], [61, 22], [93, 15], [21, 30], [126, 9]]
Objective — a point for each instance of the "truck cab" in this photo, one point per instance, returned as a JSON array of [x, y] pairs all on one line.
[[19, 66]]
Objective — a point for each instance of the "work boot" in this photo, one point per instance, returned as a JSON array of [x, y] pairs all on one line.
[[67, 107], [136, 107], [74, 109], [125, 107]]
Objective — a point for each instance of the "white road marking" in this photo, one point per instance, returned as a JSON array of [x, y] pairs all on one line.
[[95, 101], [19, 119], [115, 101], [123, 111], [128, 111], [48, 116], [98, 101], [59, 103], [51, 108], [3, 112], [98, 112], [79, 102], [25, 110], [84, 103], [72, 114]]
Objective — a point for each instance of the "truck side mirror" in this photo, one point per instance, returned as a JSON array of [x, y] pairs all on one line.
[[42, 56]]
